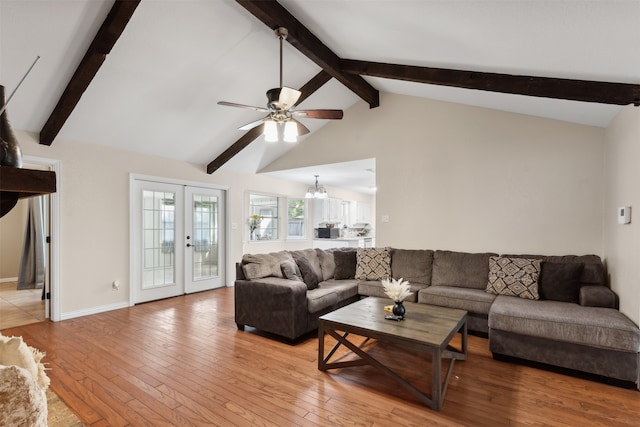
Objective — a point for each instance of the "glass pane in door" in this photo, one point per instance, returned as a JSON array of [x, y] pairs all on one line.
[[158, 224], [205, 237]]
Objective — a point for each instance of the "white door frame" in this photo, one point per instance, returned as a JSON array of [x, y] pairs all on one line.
[[139, 177], [54, 234]]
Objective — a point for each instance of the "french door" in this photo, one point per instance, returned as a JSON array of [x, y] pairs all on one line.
[[204, 247], [178, 240]]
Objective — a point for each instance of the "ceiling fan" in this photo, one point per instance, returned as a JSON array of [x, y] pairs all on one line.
[[280, 103]]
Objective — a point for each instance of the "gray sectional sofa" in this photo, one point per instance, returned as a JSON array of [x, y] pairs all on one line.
[[585, 332]]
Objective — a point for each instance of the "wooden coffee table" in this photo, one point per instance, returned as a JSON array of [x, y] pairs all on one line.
[[427, 328]]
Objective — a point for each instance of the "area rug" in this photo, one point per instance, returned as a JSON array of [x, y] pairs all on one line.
[[59, 413]]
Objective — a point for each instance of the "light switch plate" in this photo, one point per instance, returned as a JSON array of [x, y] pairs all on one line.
[[624, 215]]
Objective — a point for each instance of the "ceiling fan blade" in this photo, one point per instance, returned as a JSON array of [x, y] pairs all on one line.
[[302, 129], [250, 107], [251, 125], [288, 97], [319, 114]]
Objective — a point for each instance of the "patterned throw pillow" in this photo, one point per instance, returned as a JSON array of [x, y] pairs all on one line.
[[373, 264], [516, 277]]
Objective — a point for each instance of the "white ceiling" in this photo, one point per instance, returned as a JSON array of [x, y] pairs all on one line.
[[157, 90], [357, 175]]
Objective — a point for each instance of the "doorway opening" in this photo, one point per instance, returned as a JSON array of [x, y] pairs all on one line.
[[30, 293]]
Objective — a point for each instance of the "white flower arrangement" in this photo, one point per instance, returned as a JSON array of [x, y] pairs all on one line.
[[396, 289]]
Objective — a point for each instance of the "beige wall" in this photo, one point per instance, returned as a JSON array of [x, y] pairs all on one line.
[[12, 229], [464, 178], [449, 177], [622, 242], [94, 217]]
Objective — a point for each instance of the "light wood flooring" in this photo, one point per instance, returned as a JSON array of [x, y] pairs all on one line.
[[182, 362], [20, 307]]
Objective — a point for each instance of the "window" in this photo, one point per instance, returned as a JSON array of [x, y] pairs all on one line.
[[158, 224], [296, 209], [263, 217]]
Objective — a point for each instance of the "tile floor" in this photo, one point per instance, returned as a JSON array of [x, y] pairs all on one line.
[[19, 307]]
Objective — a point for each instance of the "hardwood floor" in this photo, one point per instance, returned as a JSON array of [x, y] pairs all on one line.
[[182, 362]]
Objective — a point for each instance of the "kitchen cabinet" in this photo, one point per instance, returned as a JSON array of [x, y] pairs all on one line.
[[329, 210], [363, 212]]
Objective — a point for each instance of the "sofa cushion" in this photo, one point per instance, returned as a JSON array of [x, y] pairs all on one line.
[[257, 266], [309, 277], [592, 326], [344, 288], [374, 288], [345, 261], [412, 265], [517, 277], [598, 296], [560, 281], [327, 264], [254, 271], [312, 256], [320, 299], [593, 272], [472, 300], [373, 263], [291, 271], [460, 269]]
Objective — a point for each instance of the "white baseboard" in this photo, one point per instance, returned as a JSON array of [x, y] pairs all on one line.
[[94, 310], [9, 279]]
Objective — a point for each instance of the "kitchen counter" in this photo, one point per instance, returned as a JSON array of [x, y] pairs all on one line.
[[352, 242]]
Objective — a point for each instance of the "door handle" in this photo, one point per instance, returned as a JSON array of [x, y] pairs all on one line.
[[188, 245]]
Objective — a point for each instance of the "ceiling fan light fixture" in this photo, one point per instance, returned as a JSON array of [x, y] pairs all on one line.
[[290, 132], [270, 131]]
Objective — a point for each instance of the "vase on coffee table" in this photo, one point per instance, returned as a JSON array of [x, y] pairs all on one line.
[[398, 309]]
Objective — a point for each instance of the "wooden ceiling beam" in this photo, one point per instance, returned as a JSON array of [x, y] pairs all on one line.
[[111, 29], [310, 87], [546, 87], [274, 15]]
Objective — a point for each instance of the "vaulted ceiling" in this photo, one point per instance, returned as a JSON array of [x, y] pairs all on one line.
[[157, 89]]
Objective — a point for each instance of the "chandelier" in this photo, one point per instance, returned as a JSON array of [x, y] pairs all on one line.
[[317, 191]]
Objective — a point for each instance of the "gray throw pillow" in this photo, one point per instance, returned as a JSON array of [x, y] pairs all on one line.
[[345, 261], [291, 271], [254, 271], [560, 281], [309, 276]]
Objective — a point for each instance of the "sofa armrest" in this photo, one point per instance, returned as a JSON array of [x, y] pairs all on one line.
[[598, 296], [273, 305]]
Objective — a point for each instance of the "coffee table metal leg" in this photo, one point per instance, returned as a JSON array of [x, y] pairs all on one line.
[[322, 366], [436, 379]]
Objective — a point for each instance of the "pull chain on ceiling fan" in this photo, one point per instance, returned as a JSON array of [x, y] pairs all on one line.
[[280, 103]]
